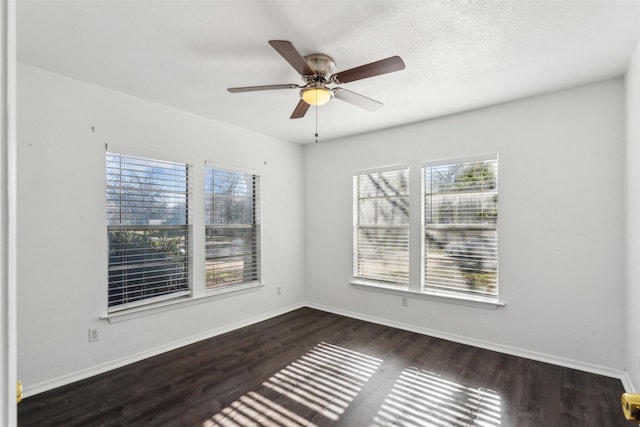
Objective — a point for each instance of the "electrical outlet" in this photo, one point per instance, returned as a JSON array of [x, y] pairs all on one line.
[[404, 301], [278, 290], [93, 335]]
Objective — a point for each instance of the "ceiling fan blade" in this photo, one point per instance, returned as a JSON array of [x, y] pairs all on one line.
[[384, 66], [357, 99], [257, 88], [289, 52], [300, 110]]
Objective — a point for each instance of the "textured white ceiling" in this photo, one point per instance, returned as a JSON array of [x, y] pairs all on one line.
[[459, 54]]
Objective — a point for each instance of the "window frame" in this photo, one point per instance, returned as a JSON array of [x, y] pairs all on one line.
[[254, 228], [198, 293], [459, 291], [185, 227], [415, 289], [358, 276]]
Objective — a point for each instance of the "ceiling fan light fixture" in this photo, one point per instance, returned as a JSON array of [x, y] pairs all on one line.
[[316, 96]]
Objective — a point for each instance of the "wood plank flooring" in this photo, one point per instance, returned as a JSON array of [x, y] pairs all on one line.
[[311, 368]]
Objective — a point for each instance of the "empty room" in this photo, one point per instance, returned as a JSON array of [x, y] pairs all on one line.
[[340, 213]]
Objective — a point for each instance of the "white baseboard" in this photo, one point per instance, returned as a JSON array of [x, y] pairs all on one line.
[[541, 357], [34, 389], [627, 383]]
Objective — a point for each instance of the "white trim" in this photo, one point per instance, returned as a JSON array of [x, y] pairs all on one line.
[[627, 383], [131, 306], [147, 154], [82, 374], [379, 285], [541, 357], [175, 303], [430, 294], [214, 165], [466, 159], [381, 169], [8, 215]]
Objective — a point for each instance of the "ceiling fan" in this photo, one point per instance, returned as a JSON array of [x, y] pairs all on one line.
[[317, 72]]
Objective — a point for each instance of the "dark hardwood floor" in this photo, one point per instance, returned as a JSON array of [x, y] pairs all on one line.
[[313, 368]]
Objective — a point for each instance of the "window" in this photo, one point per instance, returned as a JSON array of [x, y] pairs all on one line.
[[232, 227], [460, 201], [381, 225], [148, 229]]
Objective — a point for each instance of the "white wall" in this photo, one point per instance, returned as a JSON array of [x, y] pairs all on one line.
[[632, 360], [62, 246], [560, 227]]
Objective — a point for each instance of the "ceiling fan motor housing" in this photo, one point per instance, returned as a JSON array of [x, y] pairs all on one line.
[[322, 65]]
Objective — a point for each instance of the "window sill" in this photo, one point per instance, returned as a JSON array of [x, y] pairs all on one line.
[[180, 302], [432, 295]]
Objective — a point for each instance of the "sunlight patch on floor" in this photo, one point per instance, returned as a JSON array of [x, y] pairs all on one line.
[[424, 399], [324, 380]]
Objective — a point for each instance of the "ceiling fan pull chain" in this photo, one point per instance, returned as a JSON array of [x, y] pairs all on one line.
[[316, 117]]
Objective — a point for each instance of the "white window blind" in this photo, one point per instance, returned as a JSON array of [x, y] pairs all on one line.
[[460, 225], [232, 227], [148, 229], [381, 225]]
